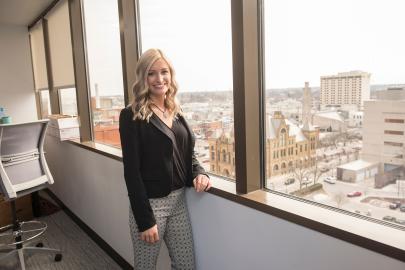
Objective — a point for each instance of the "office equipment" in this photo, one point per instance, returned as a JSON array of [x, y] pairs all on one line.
[[23, 170]]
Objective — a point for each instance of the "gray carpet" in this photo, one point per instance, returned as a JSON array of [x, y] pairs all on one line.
[[79, 251]]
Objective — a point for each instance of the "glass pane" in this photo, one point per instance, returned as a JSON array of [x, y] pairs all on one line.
[[68, 102], [104, 68], [201, 52], [335, 103], [45, 103]]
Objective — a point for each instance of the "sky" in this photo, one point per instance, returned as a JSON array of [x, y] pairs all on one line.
[[303, 41]]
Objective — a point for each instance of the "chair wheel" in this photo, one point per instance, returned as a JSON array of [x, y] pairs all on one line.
[[39, 245], [58, 257]]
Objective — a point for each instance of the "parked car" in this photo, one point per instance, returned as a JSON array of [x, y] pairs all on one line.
[[324, 169], [289, 181], [402, 208], [330, 180], [400, 221], [395, 205], [389, 218], [354, 194]]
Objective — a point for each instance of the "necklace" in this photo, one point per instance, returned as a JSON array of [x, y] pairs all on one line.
[[162, 111]]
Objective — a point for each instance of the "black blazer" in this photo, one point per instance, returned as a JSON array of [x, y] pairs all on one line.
[[147, 153]]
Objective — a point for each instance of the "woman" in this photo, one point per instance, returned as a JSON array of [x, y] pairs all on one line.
[[159, 161]]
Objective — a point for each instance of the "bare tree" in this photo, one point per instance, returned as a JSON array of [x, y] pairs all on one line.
[[340, 198], [315, 172], [301, 173]]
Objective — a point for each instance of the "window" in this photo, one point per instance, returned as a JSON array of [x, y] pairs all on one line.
[[313, 72], [67, 101], [396, 144], [205, 92], [393, 132], [399, 121], [104, 68]]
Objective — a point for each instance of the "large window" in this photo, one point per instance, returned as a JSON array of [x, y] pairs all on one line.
[[199, 44], [102, 33], [325, 62]]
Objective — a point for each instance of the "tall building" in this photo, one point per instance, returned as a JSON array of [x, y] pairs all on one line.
[[345, 89], [384, 128], [306, 105]]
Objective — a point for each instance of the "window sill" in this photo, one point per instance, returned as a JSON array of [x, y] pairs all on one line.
[[356, 229], [359, 230], [102, 149]]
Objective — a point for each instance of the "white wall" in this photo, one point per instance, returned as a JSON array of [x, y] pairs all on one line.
[[232, 236], [227, 235], [16, 79]]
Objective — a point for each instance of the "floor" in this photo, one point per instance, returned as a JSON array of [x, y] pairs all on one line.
[[79, 251]]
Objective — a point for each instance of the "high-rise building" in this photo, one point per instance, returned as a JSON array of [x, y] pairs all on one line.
[[384, 128], [345, 89]]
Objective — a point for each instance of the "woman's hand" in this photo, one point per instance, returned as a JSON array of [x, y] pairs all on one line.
[[151, 235], [202, 183]]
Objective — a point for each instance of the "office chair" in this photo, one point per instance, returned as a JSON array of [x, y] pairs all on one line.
[[23, 170]]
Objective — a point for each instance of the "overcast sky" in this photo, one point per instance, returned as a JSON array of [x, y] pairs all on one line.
[[304, 40]]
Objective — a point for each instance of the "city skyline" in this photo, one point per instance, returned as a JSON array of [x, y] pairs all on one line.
[[295, 52]]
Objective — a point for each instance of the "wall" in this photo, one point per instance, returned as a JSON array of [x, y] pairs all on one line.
[[227, 235], [16, 78]]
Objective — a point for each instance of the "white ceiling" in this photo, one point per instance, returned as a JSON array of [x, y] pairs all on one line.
[[21, 12]]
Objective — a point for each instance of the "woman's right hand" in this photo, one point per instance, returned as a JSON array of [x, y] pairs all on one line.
[[151, 235]]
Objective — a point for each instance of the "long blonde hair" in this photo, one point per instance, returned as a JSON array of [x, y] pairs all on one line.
[[141, 102]]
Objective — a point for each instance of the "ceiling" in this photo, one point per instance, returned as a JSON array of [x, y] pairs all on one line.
[[21, 12]]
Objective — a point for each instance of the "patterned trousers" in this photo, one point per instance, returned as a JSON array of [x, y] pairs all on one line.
[[174, 228]]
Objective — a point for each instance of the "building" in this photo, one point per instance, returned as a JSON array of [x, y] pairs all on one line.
[[356, 171], [355, 119], [329, 121], [222, 154], [384, 127], [288, 146], [383, 134], [291, 108], [306, 104], [345, 89]]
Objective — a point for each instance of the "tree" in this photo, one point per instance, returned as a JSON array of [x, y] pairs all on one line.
[[340, 198], [316, 172], [301, 173]]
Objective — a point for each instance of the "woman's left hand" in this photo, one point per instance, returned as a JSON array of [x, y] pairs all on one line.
[[202, 183]]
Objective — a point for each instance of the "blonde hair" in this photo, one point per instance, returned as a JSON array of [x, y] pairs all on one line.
[[141, 102]]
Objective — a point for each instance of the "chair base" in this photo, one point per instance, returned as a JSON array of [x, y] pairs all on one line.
[[20, 238], [12, 252]]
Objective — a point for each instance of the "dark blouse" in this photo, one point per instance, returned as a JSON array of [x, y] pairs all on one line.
[[179, 154]]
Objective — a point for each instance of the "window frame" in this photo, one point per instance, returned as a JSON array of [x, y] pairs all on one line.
[[248, 91]]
